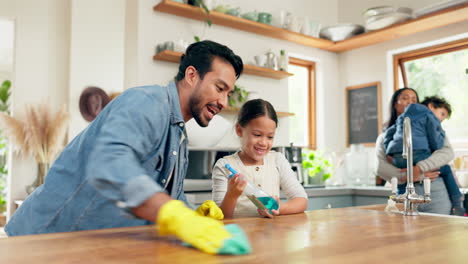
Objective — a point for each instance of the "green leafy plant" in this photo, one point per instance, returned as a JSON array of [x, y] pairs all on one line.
[[316, 164], [4, 96], [238, 96], [4, 107]]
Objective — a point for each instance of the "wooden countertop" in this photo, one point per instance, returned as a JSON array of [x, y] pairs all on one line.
[[344, 235]]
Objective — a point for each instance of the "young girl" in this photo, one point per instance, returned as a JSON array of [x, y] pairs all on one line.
[[268, 170]]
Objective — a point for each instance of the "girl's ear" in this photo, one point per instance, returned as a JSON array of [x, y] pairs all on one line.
[[238, 130]]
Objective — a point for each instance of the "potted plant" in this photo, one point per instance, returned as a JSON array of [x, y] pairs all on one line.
[[238, 97], [41, 134], [316, 166], [4, 107]]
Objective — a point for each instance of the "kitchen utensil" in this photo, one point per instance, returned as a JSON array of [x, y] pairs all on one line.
[[463, 178], [382, 21], [341, 31], [378, 10], [260, 60], [221, 8], [284, 19], [458, 162], [271, 61], [295, 24], [233, 11], [294, 154], [253, 15], [264, 18]]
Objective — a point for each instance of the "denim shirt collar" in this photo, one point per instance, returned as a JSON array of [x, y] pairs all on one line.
[[176, 113]]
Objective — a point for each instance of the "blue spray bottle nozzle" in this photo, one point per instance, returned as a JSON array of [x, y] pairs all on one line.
[[233, 171]]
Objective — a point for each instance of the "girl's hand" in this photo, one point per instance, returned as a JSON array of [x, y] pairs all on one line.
[[236, 185], [266, 213]]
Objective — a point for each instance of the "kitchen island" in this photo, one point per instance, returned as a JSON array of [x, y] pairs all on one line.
[[342, 235]]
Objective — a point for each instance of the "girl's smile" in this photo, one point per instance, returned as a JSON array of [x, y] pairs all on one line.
[[256, 139]]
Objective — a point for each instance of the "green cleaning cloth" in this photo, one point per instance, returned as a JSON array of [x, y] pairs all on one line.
[[238, 244]]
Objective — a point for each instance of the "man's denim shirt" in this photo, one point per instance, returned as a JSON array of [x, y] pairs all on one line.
[[121, 159]]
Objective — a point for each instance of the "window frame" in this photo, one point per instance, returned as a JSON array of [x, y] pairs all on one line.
[[310, 66], [401, 58]]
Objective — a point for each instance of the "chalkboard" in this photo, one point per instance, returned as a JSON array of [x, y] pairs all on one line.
[[363, 113]]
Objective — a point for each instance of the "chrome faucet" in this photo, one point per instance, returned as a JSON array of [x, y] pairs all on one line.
[[410, 198]]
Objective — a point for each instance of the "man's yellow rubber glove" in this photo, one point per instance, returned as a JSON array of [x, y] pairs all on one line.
[[204, 233], [210, 209]]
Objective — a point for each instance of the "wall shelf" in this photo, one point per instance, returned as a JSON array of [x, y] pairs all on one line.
[[172, 56], [437, 19], [222, 19], [235, 110]]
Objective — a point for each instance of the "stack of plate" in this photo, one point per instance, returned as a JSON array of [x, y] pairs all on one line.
[[383, 16]]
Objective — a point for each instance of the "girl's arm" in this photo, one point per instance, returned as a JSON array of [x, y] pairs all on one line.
[[293, 206], [235, 188], [295, 193], [226, 192]]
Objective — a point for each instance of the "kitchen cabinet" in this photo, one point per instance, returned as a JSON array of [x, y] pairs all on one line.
[[342, 235], [317, 203], [173, 56], [322, 198], [437, 19]]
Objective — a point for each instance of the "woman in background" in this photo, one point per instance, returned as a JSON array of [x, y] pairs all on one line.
[[440, 202]]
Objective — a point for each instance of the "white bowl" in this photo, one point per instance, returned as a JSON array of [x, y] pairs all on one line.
[[207, 136], [341, 31], [382, 21]]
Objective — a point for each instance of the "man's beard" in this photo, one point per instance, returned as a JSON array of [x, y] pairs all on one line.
[[196, 110]]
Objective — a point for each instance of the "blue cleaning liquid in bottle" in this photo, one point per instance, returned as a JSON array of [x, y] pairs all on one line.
[[258, 197]]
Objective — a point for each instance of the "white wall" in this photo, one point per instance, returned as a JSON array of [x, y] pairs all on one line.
[[40, 68], [156, 27], [97, 51]]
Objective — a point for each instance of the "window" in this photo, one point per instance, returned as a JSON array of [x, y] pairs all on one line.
[[440, 70], [302, 102]]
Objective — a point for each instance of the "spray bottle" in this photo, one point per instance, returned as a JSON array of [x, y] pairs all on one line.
[[259, 198]]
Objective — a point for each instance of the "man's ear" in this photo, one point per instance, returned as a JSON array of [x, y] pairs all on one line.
[[238, 130], [191, 75]]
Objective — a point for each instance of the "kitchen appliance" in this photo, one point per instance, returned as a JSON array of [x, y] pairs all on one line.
[[200, 167], [294, 156]]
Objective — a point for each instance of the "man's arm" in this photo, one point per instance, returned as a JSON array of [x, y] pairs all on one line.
[[149, 209], [125, 132]]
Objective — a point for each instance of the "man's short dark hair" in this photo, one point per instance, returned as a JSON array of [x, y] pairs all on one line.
[[201, 54], [438, 102]]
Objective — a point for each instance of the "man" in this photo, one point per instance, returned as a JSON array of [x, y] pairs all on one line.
[[132, 159]]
